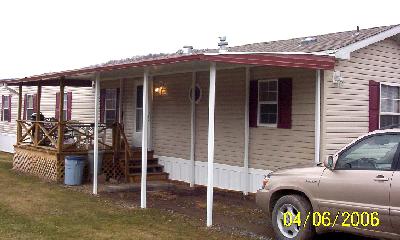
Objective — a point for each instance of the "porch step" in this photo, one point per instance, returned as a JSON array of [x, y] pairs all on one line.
[[154, 168], [136, 177], [138, 162], [137, 154]]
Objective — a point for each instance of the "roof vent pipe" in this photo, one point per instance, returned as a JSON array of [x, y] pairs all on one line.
[[222, 44], [358, 31], [187, 49]]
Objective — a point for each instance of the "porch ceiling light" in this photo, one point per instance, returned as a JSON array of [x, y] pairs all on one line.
[[161, 89]]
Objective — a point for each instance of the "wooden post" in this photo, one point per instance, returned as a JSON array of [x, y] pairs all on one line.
[[19, 128], [37, 127], [61, 116]]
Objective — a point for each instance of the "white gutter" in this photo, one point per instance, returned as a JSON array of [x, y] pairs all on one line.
[[281, 53]]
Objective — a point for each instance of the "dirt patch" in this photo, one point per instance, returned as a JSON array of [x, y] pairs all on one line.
[[233, 212]]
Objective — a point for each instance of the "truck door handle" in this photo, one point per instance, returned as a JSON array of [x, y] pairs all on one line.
[[381, 178]]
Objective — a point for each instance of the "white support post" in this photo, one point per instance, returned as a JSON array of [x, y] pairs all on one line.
[[121, 96], [210, 172], [96, 132], [317, 116], [246, 135], [143, 200], [193, 132], [150, 114]]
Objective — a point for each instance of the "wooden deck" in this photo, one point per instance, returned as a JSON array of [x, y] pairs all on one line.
[[39, 152]]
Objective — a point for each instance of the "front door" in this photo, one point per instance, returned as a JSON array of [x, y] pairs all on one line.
[[137, 135], [395, 201], [360, 184]]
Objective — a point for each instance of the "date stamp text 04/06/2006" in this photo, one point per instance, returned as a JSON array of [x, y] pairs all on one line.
[[326, 219]]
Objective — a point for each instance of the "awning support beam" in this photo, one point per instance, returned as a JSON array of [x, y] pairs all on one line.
[[211, 119], [193, 132], [143, 200], [317, 116], [96, 132]]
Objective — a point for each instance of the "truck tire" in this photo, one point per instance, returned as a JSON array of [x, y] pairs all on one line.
[[295, 204]]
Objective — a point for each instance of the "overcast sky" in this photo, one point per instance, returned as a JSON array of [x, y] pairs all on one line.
[[46, 35]]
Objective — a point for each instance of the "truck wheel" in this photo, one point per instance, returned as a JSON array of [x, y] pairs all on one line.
[[284, 213]]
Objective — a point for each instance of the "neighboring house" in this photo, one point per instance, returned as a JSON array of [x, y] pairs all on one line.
[[302, 99], [78, 106]]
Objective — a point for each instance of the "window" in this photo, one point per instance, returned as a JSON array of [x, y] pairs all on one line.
[[5, 108], [268, 102], [198, 94], [29, 108], [372, 153], [139, 108], [389, 106], [110, 110]]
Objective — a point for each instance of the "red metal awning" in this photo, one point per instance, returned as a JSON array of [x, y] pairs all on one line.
[[308, 61]]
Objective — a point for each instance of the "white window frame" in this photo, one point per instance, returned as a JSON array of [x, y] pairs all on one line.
[[65, 107], [115, 105], [4, 99], [27, 105], [380, 101], [275, 125]]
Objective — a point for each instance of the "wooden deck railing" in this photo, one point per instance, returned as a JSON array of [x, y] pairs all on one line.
[[75, 136]]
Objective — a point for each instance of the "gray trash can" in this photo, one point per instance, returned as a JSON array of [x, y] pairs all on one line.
[[91, 162], [74, 166]]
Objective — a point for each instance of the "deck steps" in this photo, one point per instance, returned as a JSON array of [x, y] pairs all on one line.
[[155, 171], [161, 176]]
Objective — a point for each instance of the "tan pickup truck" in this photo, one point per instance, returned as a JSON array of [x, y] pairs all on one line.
[[356, 190]]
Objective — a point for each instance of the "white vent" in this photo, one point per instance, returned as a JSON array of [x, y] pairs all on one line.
[[308, 40], [337, 78], [222, 44]]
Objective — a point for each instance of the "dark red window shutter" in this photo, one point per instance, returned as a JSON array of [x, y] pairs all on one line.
[[102, 104], [34, 103], [253, 104], [25, 106], [117, 106], [57, 112], [285, 103], [69, 105], [9, 108], [374, 99], [2, 107]]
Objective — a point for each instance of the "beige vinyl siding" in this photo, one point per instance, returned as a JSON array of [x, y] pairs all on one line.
[[273, 148], [270, 148], [347, 108], [229, 117], [171, 117], [129, 106]]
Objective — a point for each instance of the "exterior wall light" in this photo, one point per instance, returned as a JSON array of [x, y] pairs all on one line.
[[161, 90]]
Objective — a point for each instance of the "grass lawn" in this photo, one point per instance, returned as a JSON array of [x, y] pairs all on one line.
[[33, 209]]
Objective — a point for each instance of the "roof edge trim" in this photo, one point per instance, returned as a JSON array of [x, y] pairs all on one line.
[[344, 52]]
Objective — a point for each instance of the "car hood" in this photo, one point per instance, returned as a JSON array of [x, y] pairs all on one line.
[[315, 170]]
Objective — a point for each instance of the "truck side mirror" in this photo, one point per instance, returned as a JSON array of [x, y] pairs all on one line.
[[328, 163]]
